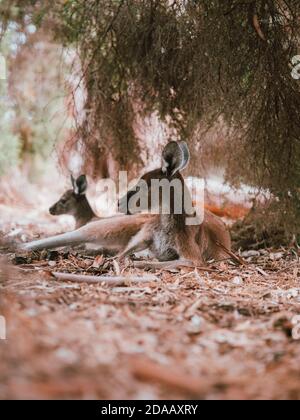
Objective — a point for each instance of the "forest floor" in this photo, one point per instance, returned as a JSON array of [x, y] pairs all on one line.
[[228, 332]]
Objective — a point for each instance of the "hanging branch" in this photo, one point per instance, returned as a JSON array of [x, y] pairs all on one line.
[[257, 27], [254, 21]]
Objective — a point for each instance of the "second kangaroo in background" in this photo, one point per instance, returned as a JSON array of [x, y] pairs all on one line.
[[75, 203]]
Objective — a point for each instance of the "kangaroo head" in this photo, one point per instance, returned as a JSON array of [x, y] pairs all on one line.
[[71, 200], [160, 186]]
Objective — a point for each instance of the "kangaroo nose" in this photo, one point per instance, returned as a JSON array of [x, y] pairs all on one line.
[[52, 211]]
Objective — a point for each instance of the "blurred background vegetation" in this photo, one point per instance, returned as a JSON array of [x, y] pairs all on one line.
[[83, 74], [34, 115]]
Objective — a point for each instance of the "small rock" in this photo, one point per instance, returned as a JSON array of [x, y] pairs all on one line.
[[250, 254], [292, 293], [196, 325], [52, 263], [238, 281], [24, 238], [277, 256], [66, 355], [264, 252]]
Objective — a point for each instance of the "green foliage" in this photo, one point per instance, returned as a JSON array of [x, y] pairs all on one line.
[[9, 143], [36, 94]]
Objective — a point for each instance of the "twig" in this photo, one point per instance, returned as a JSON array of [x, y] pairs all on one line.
[[235, 257], [257, 27], [114, 281], [169, 265], [254, 21], [262, 272]]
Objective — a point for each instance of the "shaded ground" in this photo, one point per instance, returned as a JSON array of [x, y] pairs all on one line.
[[221, 334]]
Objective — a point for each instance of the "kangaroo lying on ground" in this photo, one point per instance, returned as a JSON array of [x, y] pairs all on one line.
[[167, 235], [75, 203]]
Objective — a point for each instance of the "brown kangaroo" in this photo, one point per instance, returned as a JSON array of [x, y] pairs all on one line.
[[75, 203], [168, 236]]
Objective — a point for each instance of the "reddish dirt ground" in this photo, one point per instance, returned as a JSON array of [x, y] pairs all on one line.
[[226, 333]]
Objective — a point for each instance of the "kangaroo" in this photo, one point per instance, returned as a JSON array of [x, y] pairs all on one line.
[[110, 235], [75, 203], [169, 236]]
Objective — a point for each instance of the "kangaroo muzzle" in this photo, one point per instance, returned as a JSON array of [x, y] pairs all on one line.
[[53, 211]]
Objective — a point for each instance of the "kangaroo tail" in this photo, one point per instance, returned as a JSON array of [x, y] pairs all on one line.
[[66, 239]]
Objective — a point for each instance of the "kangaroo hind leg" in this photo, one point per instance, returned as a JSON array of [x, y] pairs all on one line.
[[140, 242]]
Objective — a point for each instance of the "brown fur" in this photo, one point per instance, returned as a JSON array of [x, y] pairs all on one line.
[[75, 203], [112, 233], [116, 231], [76, 206], [169, 236]]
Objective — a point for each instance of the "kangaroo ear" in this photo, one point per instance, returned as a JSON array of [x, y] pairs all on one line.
[[73, 181], [186, 154], [81, 185], [175, 157]]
